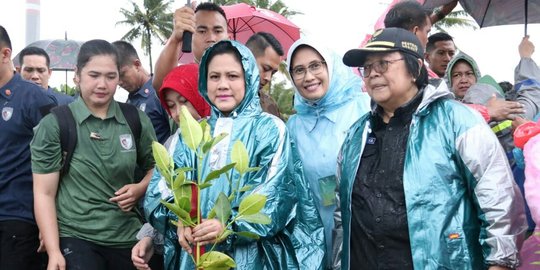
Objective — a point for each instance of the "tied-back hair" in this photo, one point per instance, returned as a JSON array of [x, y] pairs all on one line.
[[34, 51], [93, 48]]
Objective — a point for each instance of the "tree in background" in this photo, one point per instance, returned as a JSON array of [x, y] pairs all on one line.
[[154, 20], [455, 18]]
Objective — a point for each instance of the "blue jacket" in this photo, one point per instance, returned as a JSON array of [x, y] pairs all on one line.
[[464, 210], [286, 243], [319, 128], [147, 101]]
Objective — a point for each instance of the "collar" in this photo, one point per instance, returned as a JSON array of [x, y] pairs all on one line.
[[405, 112], [6, 91], [146, 90], [81, 111]]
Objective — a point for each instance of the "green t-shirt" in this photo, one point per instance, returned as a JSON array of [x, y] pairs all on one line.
[[104, 160]]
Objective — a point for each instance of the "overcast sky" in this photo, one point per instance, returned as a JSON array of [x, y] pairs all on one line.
[[341, 24]]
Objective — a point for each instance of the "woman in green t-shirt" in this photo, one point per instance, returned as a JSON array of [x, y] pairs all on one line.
[[87, 215]]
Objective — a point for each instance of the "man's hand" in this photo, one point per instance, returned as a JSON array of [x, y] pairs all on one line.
[[142, 252], [128, 196], [183, 20], [500, 110], [526, 48]]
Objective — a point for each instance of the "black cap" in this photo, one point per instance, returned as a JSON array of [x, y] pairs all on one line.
[[385, 40]]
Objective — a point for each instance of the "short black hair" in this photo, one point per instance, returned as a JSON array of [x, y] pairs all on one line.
[[259, 41], [5, 41], [31, 50], [407, 15], [440, 36], [126, 52], [209, 6], [222, 48]]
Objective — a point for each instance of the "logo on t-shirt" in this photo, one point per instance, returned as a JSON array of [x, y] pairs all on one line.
[[126, 141], [142, 107], [7, 112]]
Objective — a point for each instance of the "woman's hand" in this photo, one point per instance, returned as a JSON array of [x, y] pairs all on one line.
[[207, 232], [184, 237], [56, 261], [142, 252]]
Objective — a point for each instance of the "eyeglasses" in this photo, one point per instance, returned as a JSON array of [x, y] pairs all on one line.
[[315, 68], [459, 75], [379, 66]]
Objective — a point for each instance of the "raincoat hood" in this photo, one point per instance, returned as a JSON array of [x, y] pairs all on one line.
[[183, 80], [250, 105], [343, 85], [452, 63]]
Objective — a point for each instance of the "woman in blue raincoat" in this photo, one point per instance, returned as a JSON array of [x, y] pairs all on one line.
[[229, 81], [328, 100]]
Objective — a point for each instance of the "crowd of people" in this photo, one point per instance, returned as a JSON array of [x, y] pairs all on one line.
[[419, 161]]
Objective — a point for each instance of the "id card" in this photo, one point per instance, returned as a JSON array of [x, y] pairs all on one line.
[[327, 187]]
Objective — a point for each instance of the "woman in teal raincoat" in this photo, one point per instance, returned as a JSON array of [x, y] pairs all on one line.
[[328, 100], [228, 81]]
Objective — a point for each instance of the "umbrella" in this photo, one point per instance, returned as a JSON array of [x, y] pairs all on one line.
[[62, 52], [244, 20], [498, 12]]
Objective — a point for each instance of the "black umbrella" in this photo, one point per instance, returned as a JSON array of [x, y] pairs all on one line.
[[497, 12]]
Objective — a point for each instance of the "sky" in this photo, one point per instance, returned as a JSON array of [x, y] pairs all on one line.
[[339, 24]]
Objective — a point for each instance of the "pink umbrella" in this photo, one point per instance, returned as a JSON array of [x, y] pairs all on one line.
[[244, 20]]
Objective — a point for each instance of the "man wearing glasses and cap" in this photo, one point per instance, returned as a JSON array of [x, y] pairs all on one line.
[[423, 182]]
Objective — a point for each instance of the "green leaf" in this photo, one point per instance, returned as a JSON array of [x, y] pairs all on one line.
[[212, 214], [184, 203], [223, 208], [190, 129], [206, 130], [224, 235], [183, 170], [182, 215], [162, 158], [184, 191], [209, 144], [252, 204], [179, 180], [216, 260], [215, 174], [258, 218], [205, 185], [239, 156], [246, 188], [248, 235]]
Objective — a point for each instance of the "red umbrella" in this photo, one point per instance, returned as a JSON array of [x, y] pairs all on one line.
[[244, 20]]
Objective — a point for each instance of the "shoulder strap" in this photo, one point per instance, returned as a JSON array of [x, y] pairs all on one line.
[[134, 121], [68, 134]]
